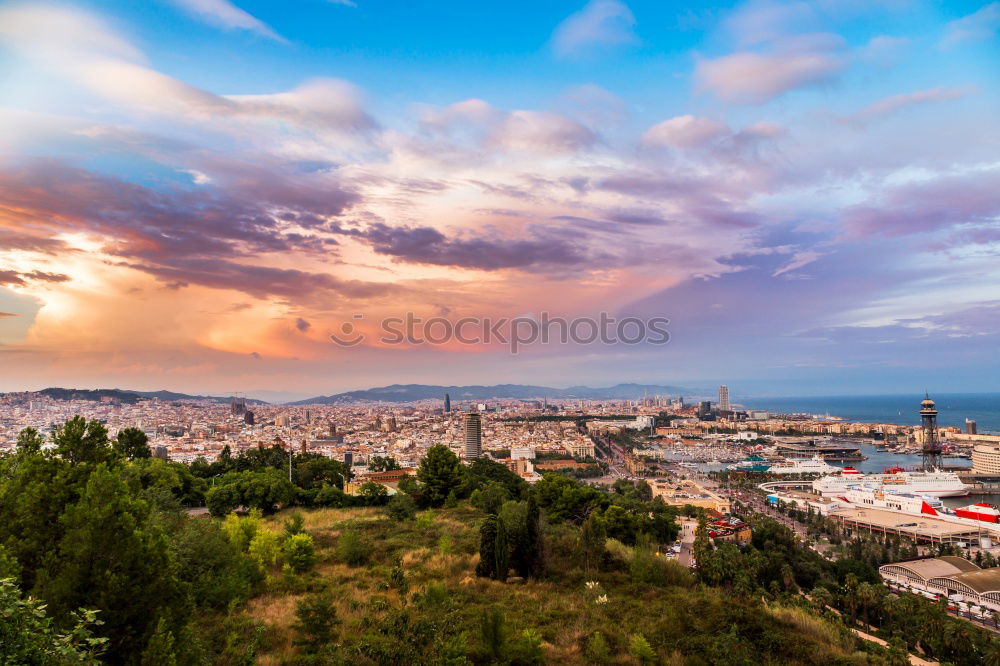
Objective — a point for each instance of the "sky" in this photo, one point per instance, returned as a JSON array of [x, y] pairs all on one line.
[[195, 194]]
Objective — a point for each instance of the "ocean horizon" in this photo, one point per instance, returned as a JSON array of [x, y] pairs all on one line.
[[900, 409]]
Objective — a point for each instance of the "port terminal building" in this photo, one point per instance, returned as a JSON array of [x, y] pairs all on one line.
[[947, 576]]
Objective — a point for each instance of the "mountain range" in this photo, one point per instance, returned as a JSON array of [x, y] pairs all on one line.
[[124, 395], [415, 392]]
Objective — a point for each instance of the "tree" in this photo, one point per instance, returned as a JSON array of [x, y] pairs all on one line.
[[592, 539], [29, 636], [487, 547], [640, 648], [502, 553], [264, 549], [383, 464], [490, 497], [295, 524], [401, 507], [29, 442], [115, 557], [300, 553], [315, 621], [80, 441], [373, 493], [440, 472], [132, 444], [222, 500], [160, 649], [351, 548], [493, 633], [597, 650]]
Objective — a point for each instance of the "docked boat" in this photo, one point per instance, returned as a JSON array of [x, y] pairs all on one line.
[[753, 464], [814, 465], [896, 480]]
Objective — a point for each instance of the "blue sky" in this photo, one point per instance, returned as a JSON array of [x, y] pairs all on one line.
[[809, 190]]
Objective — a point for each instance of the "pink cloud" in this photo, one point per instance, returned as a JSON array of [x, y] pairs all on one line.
[[751, 77]]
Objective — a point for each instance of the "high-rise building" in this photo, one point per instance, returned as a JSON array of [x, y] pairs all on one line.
[[704, 410], [473, 436], [723, 398], [970, 427], [447, 403], [931, 450]]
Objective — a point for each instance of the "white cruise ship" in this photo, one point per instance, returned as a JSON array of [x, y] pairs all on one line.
[[814, 465], [895, 480]]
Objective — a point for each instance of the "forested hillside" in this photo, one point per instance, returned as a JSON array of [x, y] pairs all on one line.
[[102, 562]]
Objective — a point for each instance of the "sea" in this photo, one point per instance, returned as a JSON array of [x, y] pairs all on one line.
[[902, 409]]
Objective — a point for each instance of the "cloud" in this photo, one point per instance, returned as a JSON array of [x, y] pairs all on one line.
[[889, 105], [302, 325], [540, 131], [19, 279], [599, 23], [684, 132], [4, 315], [540, 249], [928, 206], [751, 77], [979, 25], [225, 14]]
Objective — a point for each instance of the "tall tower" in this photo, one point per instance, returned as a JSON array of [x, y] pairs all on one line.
[[723, 398], [473, 436], [932, 447], [447, 403]]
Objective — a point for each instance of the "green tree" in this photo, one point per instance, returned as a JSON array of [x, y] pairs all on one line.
[[493, 633], [486, 568], [315, 622], [300, 553], [640, 648], [160, 651], [132, 444], [502, 553], [373, 493], [223, 500], [351, 549], [28, 634], [115, 557], [29, 442], [597, 651], [265, 549], [294, 524], [490, 497], [401, 507], [80, 441], [383, 464], [592, 539], [440, 472]]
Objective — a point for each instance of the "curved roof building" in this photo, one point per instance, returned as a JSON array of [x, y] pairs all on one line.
[[948, 575]]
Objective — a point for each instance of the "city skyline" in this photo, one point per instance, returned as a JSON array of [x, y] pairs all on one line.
[[195, 194]]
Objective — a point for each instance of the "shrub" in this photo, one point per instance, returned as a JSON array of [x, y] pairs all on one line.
[[351, 549], [300, 553], [597, 651], [264, 549], [640, 648], [401, 507], [294, 525], [527, 649], [315, 620]]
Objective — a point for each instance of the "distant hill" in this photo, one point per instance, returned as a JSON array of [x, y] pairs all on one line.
[[415, 392], [134, 396]]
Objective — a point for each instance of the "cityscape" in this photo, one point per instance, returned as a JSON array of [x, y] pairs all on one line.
[[598, 332]]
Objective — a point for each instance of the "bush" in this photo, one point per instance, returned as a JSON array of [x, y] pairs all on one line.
[[351, 549], [401, 507], [264, 549], [597, 651], [330, 496], [640, 648], [315, 620], [295, 524], [300, 553]]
